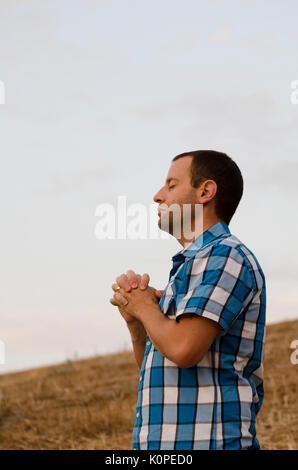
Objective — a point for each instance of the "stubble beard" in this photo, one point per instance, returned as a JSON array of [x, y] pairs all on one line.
[[179, 226]]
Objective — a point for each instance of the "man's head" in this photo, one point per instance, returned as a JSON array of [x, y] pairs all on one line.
[[203, 177]]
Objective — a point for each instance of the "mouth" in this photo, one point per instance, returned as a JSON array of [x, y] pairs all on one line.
[[160, 211]]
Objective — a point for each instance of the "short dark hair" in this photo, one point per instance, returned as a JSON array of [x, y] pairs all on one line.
[[219, 167]]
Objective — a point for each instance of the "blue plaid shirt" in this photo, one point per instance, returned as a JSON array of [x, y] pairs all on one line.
[[212, 405]]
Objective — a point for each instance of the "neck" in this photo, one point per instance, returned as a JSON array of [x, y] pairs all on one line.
[[196, 231]]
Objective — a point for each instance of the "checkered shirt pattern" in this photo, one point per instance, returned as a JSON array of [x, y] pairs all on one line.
[[212, 405]]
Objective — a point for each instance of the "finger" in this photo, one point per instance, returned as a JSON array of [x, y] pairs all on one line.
[[118, 289], [159, 293], [120, 299], [144, 281], [122, 281], [132, 278]]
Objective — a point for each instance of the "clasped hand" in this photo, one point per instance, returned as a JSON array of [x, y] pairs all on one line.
[[132, 293]]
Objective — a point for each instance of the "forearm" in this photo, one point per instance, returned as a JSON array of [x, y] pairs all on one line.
[[138, 338], [164, 332]]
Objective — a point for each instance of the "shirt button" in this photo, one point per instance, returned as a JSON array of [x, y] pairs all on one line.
[[148, 343], [141, 378], [138, 414]]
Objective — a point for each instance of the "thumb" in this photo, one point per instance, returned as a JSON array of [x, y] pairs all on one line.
[[159, 293]]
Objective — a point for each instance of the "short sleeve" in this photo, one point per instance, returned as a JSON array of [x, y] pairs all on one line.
[[219, 286]]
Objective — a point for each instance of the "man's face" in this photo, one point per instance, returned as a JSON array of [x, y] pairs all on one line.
[[177, 190]]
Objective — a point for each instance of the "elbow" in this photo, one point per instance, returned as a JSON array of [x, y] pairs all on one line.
[[186, 359], [184, 364]]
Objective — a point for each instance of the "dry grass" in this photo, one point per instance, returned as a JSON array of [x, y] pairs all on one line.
[[90, 404], [277, 422]]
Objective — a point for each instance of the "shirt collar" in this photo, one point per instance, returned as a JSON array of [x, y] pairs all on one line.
[[217, 230]]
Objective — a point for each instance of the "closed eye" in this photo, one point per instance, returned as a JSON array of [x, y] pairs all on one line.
[[173, 186]]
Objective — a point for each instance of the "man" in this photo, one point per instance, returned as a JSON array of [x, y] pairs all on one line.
[[200, 343]]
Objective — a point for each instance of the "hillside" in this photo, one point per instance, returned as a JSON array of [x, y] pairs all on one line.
[[90, 403]]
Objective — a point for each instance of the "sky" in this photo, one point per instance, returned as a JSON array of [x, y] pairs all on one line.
[[99, 97]]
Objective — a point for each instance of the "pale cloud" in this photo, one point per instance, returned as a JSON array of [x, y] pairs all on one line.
[[181, 43], [222, 33], [281, 177], [250, 122], [259, 103], [61, 182]]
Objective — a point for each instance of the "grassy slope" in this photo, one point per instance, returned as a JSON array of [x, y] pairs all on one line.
[[90, 403]]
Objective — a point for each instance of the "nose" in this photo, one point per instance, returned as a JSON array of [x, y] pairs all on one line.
[[158, 197]]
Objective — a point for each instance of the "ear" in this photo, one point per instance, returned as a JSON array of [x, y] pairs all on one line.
[[206, 191]]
